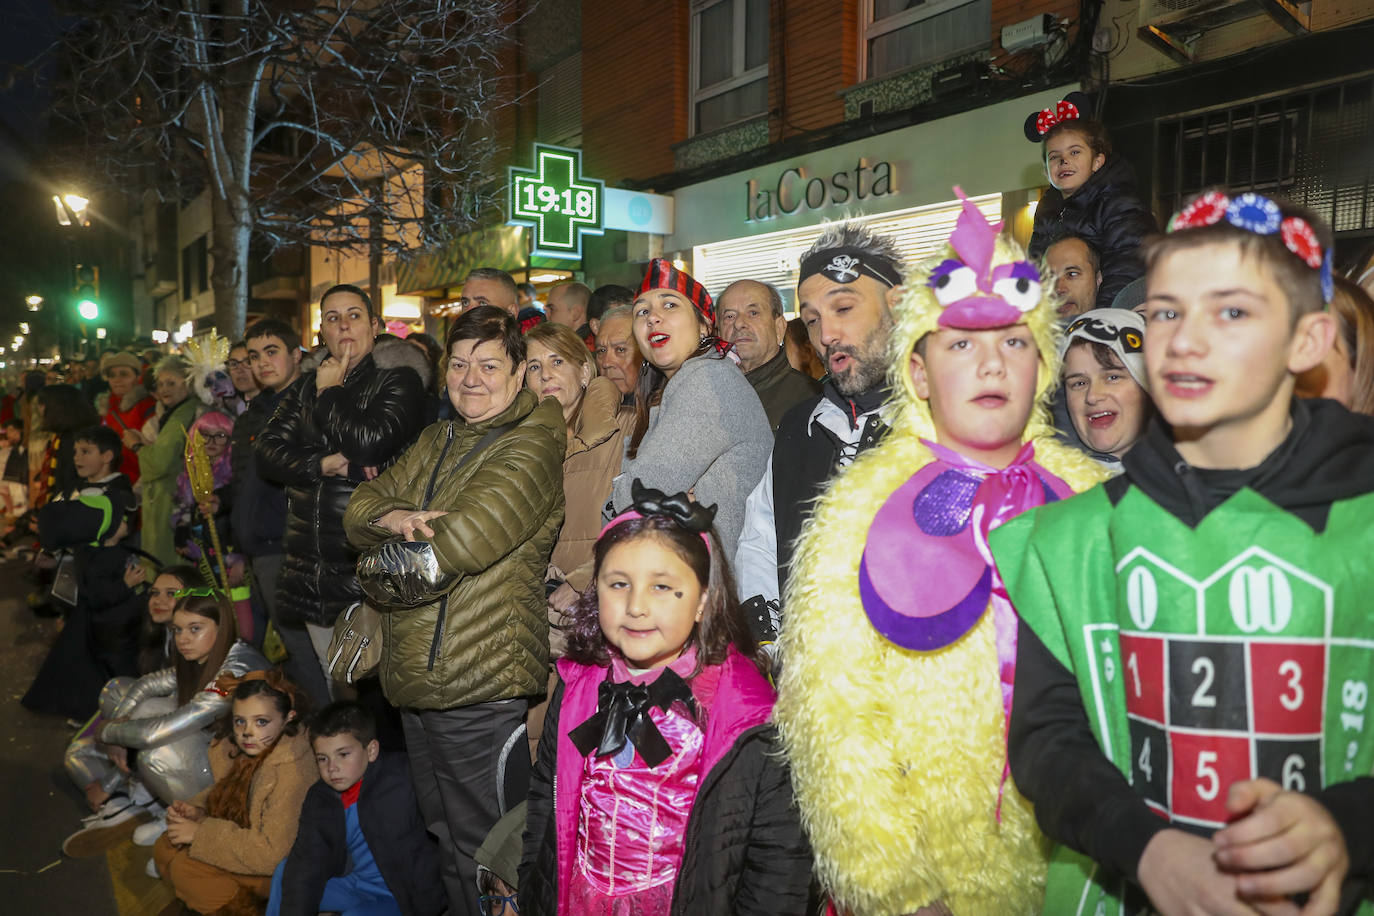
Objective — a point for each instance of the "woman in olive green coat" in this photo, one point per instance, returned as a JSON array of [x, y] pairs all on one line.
[[463, 667], [162, 459]]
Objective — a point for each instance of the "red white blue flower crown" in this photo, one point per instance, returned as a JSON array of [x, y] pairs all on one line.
[[1262, 216]]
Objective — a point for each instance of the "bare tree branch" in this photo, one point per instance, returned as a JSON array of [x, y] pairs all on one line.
[[334, 122]]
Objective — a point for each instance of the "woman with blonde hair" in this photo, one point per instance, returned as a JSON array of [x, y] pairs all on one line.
[[1347, 373], [559, 365]]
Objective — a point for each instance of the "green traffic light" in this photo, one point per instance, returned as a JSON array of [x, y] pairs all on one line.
[[89, 309]]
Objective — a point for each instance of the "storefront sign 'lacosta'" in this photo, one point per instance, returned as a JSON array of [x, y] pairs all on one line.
[[795, 189]]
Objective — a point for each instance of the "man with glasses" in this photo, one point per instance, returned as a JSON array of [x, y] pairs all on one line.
[[241, 374]]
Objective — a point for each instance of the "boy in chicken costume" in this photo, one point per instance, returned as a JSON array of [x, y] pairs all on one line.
[[899, 645]]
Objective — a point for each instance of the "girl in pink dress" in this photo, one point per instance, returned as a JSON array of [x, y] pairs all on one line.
[[660, 788]]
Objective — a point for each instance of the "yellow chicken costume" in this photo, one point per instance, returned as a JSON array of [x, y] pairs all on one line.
[[898, 644]]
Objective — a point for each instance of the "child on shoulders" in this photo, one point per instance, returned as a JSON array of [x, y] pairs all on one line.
[[1092, 195], [362, 847], [689, 810]]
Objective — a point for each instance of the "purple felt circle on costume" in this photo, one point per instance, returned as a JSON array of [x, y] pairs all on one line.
[[942, 509], [924, 634], [912, 569]]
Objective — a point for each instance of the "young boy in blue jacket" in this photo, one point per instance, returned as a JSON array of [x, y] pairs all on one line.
[[362, 849]]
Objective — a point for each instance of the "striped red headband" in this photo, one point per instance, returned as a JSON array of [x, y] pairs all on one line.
[[663, 275]]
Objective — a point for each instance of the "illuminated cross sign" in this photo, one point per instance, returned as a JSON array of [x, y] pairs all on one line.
[[556, 201]]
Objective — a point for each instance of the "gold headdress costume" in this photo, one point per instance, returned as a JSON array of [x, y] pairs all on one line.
[[898, 644]]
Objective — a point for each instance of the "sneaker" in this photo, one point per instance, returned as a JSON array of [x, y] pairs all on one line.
[[147, 834], [116, 809], [94, 840], [151, 869]]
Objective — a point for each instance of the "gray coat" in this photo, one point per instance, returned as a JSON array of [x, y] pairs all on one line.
[[709, 434]]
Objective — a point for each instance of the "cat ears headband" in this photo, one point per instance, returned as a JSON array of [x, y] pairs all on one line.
[[647, 501], [1072, 107]]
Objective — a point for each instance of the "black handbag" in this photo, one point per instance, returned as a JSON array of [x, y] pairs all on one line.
[[404, 574]]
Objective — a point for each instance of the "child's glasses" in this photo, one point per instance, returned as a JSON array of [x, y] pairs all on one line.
[[496, 905], [215, 437]]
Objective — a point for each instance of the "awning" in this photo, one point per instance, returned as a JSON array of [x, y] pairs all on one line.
[[505, 247]]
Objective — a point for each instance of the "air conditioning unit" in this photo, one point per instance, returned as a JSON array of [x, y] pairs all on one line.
[[1174, 26]]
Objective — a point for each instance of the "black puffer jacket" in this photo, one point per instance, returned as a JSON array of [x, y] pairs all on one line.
[[371, 419], [1107, 212], [257, 515], [743, 812]]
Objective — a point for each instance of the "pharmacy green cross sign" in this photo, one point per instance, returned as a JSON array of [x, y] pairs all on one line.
[[556, 201]]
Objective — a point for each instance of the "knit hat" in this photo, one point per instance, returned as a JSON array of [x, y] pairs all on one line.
[[1122, 330], [500, 851], [663, 275], [120, 358]]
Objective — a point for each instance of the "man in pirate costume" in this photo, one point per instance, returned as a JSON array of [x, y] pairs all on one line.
[[899, 644], [1195, 662], [850, 281]]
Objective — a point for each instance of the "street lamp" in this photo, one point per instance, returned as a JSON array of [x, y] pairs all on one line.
[[71, 209], [34, 302]]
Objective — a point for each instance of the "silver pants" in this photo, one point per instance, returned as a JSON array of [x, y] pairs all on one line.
[[171, 772]]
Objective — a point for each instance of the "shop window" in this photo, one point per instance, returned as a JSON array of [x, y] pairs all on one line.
[[729, 62], [195, 269], [1311, 147], [903, 34]]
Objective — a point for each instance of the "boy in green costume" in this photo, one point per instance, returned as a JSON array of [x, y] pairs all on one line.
[[1195, 663]]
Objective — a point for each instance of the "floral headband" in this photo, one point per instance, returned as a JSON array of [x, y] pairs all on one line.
[[1258, 214], [691, 515]]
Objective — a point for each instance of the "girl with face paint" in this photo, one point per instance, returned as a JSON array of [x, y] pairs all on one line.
[[222, 845]]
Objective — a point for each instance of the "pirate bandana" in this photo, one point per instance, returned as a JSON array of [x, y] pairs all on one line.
[[1119, 329], [845, 265], [663, 275]]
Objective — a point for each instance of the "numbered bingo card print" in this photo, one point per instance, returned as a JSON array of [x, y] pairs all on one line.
[[1230, 677]]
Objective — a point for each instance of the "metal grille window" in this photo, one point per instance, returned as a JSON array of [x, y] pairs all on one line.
[[1314, 147], [901, 34], [729, 62]]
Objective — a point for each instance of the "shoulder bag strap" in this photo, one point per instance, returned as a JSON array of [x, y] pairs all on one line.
[[491, 436]]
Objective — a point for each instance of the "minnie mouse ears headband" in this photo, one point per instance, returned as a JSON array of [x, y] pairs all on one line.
[[647, 501], [1258, 214], [1072, 107]]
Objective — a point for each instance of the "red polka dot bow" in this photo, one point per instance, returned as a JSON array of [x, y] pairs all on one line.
[[1056, 114]]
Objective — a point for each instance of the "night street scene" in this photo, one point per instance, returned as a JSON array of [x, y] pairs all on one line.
[[687, 457]]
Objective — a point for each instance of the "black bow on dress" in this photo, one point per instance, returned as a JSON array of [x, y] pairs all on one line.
[[622, 712]]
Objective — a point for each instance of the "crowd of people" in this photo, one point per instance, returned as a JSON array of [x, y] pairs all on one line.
[[984, 586]]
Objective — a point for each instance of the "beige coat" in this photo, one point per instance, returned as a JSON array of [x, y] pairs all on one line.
[[593, 459], [278, 789]]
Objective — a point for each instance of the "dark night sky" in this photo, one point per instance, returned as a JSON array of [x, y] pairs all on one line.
[[25, 32]]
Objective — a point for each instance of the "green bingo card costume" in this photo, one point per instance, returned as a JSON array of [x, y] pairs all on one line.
[[1239, 648]]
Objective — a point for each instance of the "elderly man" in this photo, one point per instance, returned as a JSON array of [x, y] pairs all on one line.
[[617, 356], [1077, 275], [749, 315], [567, 306]]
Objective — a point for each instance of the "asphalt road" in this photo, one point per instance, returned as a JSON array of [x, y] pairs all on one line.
[[39, 806]]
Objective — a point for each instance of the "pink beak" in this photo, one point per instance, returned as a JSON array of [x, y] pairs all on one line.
[[977, 313]]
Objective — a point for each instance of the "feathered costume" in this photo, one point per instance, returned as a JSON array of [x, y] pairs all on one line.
[[899, 643]]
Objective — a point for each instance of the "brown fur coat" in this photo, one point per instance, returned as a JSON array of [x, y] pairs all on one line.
[[274, 799]]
